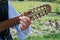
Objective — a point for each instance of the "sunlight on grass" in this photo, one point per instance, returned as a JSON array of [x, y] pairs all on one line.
[[24, 6]]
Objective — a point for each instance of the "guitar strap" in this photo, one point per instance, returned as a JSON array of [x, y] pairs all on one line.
[[4, 35]]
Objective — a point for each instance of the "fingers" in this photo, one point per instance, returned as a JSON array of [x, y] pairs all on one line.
[[23, 25], [28, 20], [25, 19], [24, 22]]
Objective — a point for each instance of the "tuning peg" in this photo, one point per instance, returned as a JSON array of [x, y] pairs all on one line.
[[48, 7]]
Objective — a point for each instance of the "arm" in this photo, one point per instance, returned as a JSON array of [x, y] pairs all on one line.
[[21, 34]]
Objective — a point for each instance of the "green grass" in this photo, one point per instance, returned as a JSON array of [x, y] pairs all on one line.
[[24, 6], [50, 17], [54, 36]]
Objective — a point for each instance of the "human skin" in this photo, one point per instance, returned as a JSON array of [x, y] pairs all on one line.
[[24, 22]]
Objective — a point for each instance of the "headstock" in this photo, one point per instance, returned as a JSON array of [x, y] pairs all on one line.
[[39, 11]]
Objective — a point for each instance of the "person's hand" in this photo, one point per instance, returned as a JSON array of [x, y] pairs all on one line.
[[24, 22]]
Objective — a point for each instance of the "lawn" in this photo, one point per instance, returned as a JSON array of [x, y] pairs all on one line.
[[24, 7]]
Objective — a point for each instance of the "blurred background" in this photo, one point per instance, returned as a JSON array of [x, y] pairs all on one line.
[[45, 28]]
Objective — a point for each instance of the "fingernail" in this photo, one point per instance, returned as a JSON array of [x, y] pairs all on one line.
[[20, 17]]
